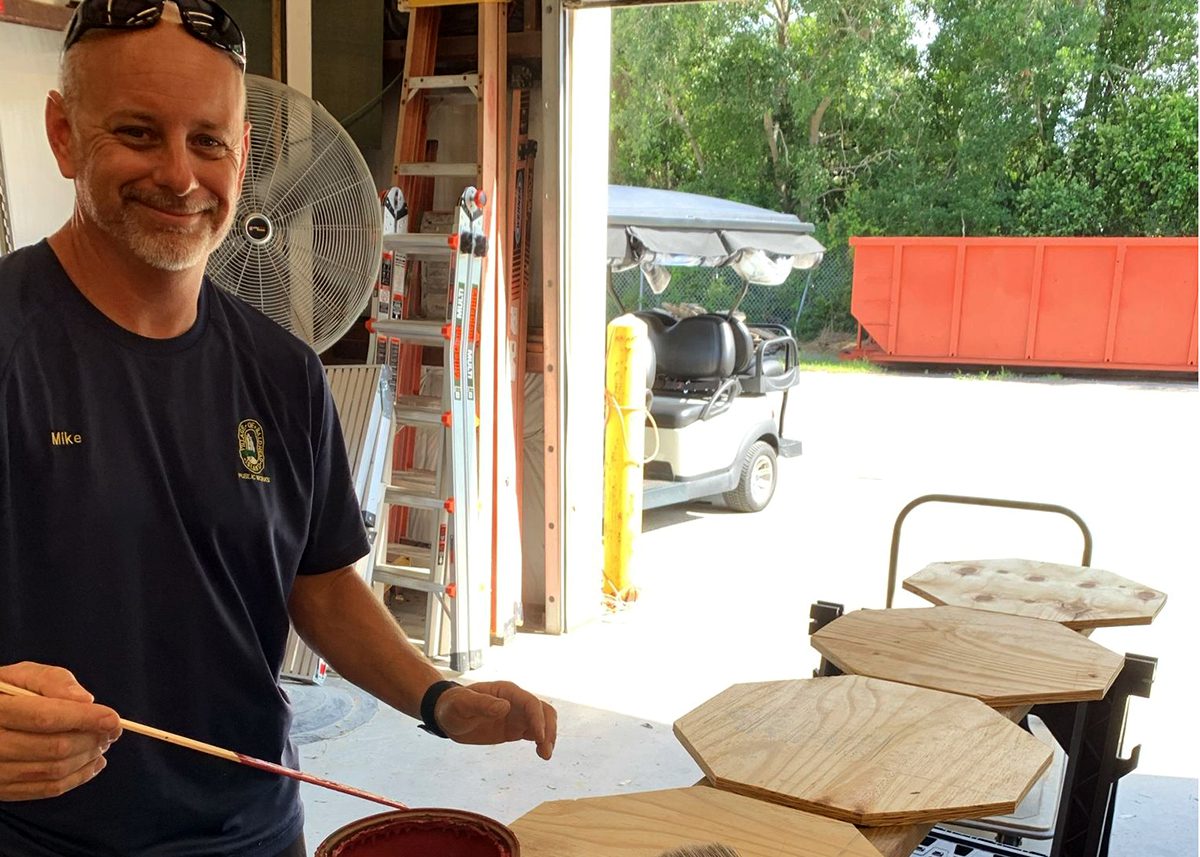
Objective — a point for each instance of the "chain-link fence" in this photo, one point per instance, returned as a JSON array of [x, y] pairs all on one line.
[[808, 302]]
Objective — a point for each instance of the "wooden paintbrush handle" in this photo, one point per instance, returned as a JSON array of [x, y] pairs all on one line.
[[229, 755]]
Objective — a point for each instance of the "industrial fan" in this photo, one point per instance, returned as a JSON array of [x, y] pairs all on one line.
[[306, 241]]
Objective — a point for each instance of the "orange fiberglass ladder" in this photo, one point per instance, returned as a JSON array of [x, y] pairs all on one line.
[[488, 587]]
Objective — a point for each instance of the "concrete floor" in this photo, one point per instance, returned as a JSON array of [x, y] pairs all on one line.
[[725, 597]]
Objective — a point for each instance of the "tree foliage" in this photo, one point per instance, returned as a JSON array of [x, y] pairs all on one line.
[[971, 117]]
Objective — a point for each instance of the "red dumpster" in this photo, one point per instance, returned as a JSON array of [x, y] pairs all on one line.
[[1094, 303]]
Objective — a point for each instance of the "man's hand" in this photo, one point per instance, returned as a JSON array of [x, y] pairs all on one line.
[[493, 712], [52, 743], [337, 615]]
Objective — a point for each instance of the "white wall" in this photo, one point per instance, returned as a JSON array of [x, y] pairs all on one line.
[[39, 199]]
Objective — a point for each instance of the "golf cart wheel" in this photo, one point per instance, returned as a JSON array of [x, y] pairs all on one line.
[[756, 484]]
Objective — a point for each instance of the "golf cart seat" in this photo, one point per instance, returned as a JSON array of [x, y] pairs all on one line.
[[697, 350], [765, 359], [695, 360]]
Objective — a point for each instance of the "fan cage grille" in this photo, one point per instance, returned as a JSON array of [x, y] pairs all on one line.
[[315, 272]]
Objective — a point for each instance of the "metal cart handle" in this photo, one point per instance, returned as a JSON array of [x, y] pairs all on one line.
[[979, 501]]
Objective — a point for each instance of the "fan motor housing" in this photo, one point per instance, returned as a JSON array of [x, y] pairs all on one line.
[[257, 229]]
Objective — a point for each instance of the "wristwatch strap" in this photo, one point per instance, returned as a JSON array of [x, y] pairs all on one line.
[[429, 705]]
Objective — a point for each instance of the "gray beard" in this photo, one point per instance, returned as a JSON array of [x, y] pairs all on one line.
[[161, 249]]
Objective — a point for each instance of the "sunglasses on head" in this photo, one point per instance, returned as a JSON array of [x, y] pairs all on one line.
[[204, 19]]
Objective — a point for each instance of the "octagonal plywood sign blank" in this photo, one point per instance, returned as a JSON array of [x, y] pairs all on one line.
[[650, 823], [1075, 596], [999, 659], [863, 750]]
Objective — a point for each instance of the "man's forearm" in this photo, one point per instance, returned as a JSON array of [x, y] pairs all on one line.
[[339, 617]]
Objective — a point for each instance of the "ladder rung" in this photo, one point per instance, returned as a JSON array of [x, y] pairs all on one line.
[[406, 578], [415, 481], [443, 81], [417, 330], [395, 497], [418, 557], [416, 488], [419, 410], [433, 243], [437, 168]]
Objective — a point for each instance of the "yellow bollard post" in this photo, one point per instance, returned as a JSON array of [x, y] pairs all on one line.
[[624, 447]]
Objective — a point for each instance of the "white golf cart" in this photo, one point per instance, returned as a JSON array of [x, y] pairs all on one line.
[[718, 385]]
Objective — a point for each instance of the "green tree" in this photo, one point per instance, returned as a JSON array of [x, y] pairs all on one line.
[[754, 101], [985, 114]]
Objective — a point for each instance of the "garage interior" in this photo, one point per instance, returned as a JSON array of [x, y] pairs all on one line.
[[726, 600]]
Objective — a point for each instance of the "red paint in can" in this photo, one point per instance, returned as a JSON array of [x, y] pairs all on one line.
[[422, 833]]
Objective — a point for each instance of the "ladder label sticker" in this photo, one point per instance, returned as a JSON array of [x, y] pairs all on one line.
[[399, 275], [383, 309]]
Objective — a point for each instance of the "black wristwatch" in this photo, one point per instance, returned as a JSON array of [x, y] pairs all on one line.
[[429, 704]]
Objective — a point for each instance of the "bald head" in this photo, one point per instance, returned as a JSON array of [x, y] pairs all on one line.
[[71, 76]]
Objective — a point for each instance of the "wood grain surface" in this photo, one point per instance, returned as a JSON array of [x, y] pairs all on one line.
[[1000, 659], [871, 752], [903, 841], [1074, 596], [649, 823]]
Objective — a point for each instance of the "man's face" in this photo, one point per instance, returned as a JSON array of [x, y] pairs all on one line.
[[154, 136]]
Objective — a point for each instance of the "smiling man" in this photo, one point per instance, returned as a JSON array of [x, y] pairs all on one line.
[[149, 124], [152, 560]]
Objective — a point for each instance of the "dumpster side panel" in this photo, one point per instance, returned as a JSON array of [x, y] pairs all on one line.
[[922, 325], [1103, 303], [997, 287], [1072, 321], [871, 293], [1157, 307]]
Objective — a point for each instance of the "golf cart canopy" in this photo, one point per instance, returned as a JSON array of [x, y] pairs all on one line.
[[658, 229]]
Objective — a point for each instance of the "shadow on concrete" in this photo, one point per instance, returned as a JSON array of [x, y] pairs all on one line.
[[667, 516]]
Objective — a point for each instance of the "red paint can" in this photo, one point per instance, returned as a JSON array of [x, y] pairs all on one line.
[[422, 833]]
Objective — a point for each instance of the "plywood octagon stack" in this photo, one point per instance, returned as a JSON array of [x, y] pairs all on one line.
[[870, 752], [999, 659], [649, 823], [904, 740], [1075, 596]]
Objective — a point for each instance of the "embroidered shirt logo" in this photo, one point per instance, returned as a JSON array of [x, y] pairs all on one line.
[[65, 438], [252, 451]]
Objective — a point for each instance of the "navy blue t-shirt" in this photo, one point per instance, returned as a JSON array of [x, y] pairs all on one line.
[[157, 499]]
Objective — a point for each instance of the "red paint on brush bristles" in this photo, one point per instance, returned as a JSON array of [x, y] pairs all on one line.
[[271, 767]]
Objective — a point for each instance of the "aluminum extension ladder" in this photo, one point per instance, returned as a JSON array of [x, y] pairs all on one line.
[[445, 562]]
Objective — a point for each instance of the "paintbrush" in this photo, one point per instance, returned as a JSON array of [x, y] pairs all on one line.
[[712, 849], [229, 755]]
